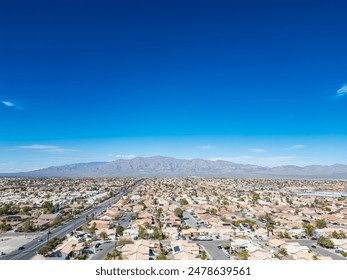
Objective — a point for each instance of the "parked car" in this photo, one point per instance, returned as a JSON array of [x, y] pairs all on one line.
[[338, 250], [204, 238], [21, 248]]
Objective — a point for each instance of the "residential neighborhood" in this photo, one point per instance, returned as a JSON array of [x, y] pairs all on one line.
[[175, 218]]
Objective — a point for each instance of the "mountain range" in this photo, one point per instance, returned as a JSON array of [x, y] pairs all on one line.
[[159, 166]]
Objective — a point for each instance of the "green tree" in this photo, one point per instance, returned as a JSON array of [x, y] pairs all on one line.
[[124, 241], [48, 207], [113, 255], [120, 230], [103, 235], [142, 232], [183, 201], [55, 222], [27, 226], [213, 211], [286, 235], [134, 216], [269, 227], [26, 210], [92, 229], [43, 251], [282, 251], [5, 227], [203, 255], [162, 255], [4, 210], [178, 212], [325, 242], [338, 235], [321, 223], [243, 255], [49, 246], [255, 197], [159, 212], [309, 229], [81, 257], [68, 216], [157, 233]]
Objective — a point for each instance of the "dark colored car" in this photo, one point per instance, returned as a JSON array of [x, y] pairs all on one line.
[[21, 248]]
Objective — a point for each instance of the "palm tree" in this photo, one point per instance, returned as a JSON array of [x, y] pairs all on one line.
[[103, 235], [269, 227]]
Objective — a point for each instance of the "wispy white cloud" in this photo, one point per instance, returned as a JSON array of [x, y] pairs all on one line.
[[234, 159], [46, 148], [257, 150], [205, 147], [341, 91], [38, 147], [125, 156], [296, 147], [8, 103]]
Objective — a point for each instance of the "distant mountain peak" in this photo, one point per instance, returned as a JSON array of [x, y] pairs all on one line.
[[161, 166]]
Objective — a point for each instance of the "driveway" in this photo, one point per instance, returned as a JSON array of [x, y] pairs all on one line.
[[318, 250], [189, 220], [101, 252], [125, 220], [212, 251]]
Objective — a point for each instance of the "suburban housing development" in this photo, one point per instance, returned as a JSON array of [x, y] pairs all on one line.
[[188, 218]]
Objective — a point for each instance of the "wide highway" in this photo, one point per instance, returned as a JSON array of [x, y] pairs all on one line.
[[31, 248]]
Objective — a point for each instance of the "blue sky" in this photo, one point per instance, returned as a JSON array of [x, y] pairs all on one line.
[[260, 82]]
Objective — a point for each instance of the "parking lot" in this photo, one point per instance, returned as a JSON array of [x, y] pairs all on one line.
[[9, 244]]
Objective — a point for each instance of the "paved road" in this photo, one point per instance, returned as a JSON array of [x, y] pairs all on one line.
[[125, 220], [101, 252], [259, 223], [32, 247], [319, 250], [212, 250], [189, 220], [335, 226]]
